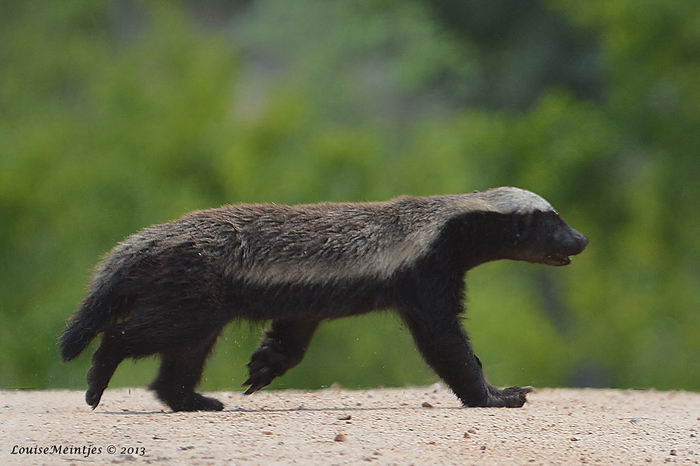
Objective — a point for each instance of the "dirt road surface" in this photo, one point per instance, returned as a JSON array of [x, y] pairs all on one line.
[[383, 426]]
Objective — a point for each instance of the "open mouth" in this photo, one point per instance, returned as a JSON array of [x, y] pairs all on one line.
[[557, 259]]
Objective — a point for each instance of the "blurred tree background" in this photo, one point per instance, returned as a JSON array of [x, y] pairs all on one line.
[[116, 115]]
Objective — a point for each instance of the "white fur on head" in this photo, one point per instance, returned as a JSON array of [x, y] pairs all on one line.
[[510, 200]]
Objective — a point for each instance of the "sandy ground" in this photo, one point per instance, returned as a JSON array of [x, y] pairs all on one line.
[[333, 426]]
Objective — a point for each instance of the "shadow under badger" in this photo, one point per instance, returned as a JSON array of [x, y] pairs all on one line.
[[171, 288]]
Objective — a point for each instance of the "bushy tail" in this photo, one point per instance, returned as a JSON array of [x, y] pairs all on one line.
[[102, 305]]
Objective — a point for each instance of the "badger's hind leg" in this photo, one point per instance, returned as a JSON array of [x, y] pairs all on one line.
[[104, 363], [183, 343], [282, 348], [180, 372]]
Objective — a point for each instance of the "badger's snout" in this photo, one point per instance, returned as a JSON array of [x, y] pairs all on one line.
[[574, 243], [568, 242]]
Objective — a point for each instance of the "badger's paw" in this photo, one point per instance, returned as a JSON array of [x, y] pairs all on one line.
[[511, 397], [195, 402], [266, 363], [492, 397], [93, 397]]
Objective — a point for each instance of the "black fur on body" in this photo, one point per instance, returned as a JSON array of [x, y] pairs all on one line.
[[171, 288]]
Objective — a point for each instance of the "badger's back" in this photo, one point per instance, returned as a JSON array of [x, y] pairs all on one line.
[[314, 243]]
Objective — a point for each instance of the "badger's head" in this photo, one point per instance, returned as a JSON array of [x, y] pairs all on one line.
[[534, 231]]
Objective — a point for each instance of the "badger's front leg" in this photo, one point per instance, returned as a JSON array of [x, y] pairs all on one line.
[[282, 348], [441, 339]]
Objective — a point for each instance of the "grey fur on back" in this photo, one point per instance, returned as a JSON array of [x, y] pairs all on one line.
[[318, 243]]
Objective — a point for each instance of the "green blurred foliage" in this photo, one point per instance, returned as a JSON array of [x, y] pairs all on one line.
[[117, 115]]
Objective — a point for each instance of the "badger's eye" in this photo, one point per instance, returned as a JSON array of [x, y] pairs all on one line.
[[522, 226], [526, 223]]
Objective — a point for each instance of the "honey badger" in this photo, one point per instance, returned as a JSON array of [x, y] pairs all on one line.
[[171, 288]]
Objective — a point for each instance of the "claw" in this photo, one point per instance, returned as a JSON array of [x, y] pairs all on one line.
[[92, 398], [527, 389], [258, 380], [254, 388]]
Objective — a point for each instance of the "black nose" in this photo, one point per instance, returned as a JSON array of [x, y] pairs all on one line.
[[577, 243], [570, 242]]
